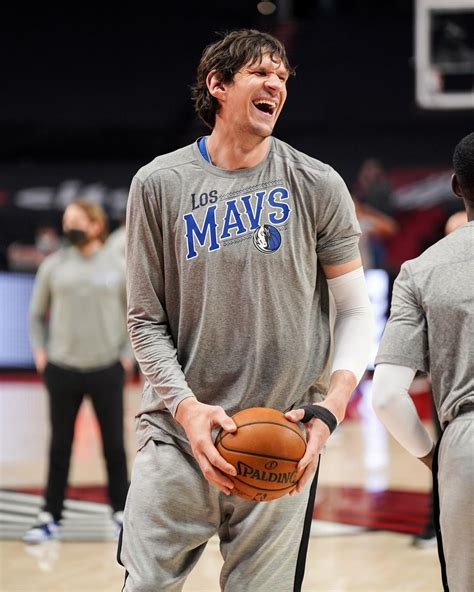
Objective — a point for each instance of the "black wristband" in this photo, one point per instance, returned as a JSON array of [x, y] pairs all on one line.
[[321, 413]]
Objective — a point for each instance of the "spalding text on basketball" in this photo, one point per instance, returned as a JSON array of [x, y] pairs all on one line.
[[250, 472]]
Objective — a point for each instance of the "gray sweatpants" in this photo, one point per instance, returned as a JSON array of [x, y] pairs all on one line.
[[172, 511], [456, 495]]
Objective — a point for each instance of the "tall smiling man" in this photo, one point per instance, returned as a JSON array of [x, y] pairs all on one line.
[[234, 243]]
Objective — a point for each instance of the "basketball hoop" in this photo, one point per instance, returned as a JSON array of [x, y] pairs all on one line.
[[444, 54]]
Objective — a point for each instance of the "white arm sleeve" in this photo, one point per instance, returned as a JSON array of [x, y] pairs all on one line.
[[354, 326], [396, 410]]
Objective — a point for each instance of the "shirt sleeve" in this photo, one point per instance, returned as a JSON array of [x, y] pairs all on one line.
[[147, 320], [338, 230], [126, 351], [405, 339], [39, 305]]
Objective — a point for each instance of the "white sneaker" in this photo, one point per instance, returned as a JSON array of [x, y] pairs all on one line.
[[45, 529]]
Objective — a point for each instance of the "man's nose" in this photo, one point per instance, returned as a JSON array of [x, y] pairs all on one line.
[[274, 82]]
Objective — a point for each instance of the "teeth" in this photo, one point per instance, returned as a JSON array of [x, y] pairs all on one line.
[[263, 102]]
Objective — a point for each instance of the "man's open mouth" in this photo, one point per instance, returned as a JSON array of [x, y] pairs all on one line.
[[266, 106]]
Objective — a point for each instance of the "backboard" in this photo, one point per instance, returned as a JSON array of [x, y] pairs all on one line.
[[444, 54]]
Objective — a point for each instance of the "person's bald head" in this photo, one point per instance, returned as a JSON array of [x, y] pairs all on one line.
[[463, 163]]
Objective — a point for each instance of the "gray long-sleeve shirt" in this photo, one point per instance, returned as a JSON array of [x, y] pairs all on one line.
[[86, 301], [227, 299]]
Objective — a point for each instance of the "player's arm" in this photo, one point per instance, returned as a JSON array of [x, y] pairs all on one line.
[[353, 332], [396, 410], [338, 252], [151, 339], [127, 357], [147, 320], [403, 350]]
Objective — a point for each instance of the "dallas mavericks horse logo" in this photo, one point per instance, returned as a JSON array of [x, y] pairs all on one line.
[[266, 238]]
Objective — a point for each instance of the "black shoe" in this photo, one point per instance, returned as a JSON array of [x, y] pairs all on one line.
[[426, 538]]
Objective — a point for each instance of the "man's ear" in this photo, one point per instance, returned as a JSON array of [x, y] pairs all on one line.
[[215, 85], [455, 186]]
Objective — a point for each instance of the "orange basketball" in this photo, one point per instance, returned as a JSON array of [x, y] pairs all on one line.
[[265, 450]]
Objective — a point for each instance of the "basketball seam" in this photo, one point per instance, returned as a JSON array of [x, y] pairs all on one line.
[[294, 431], [261, 455]]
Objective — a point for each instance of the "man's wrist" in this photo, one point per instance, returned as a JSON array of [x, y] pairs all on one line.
[[341, 386], [184, 407], [338, 409], [322, 413]]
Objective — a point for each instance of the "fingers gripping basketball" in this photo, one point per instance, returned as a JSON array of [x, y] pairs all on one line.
[[265, 451]]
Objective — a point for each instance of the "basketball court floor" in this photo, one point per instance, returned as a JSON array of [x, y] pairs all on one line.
[[372, 498]]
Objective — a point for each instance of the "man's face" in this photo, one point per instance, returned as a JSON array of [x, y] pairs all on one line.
[[255, 98]]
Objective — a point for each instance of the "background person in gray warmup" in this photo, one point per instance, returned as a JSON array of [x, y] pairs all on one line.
[[233, 244], [431, 329], [82, 349]]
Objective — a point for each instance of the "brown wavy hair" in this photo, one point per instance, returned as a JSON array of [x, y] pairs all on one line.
[[226, 57], [95, 213]]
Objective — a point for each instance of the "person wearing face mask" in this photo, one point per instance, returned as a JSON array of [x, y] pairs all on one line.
[[83, 349]]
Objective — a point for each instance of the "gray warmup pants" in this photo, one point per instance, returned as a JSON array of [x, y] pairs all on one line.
[[456, 501], [172, 511]]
